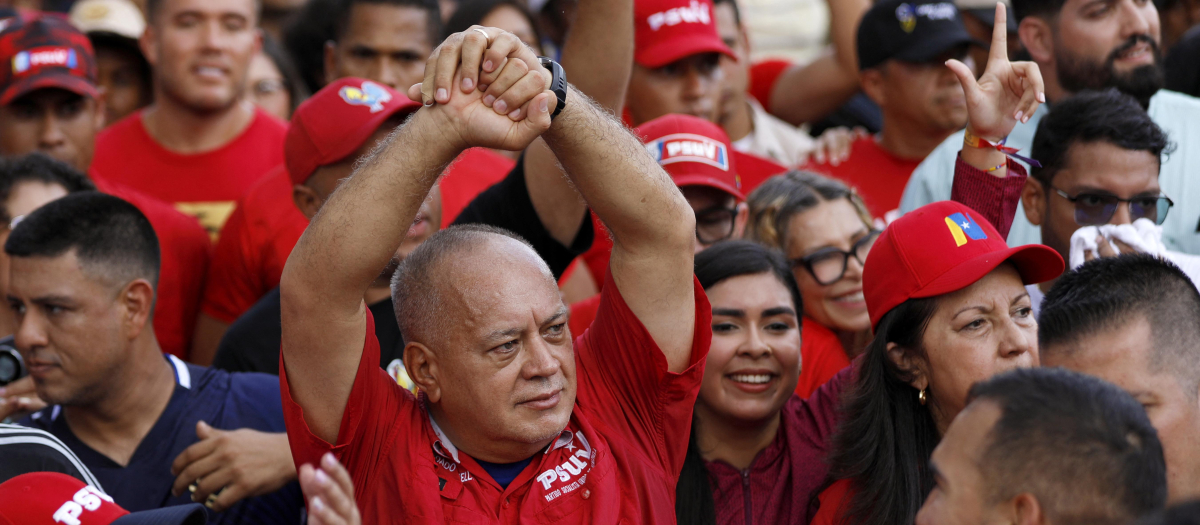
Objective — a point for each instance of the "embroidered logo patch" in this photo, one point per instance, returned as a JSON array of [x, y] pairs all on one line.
[[371, 95], [686, 147]]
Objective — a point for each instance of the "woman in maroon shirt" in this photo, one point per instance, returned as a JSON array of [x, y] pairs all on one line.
[[757, 449]]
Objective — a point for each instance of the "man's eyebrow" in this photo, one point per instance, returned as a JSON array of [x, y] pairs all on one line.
[[558, 315]]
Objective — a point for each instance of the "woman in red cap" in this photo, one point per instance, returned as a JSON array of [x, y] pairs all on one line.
[[948, 307]]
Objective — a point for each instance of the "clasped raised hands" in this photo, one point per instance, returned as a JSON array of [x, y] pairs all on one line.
[[487, 88], [1007, 92]]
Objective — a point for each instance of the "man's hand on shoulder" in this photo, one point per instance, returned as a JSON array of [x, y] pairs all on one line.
[[226, 466], [487, 91]]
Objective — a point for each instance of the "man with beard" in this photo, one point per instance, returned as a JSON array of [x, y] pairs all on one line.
[[1080, 45], [200, 146]]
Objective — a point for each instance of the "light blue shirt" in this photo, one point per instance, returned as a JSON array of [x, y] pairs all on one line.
[[1177, 114]]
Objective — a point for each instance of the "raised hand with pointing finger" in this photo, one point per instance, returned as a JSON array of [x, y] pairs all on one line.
[[1007, 93]]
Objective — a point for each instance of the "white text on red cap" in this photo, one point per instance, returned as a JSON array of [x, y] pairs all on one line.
[[87, 498], [694, 13], [686, 147]]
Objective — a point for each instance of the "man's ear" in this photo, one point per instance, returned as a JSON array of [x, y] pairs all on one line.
[[910, 364], [307, 200], [1027, 510], [1033, 199], [873, 84], [422, 366], [137, 299], [1038, 38], [149, 46], [331, 61]]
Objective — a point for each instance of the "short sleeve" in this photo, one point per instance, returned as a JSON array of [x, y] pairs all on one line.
[[625, 384], [375, 414]]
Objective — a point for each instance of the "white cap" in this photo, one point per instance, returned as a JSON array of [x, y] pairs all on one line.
[[119, 17]]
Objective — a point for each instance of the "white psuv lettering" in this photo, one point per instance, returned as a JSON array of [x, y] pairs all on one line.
[[53, 57], [87, 498], [564, 472], [690, 148], [692, 13]]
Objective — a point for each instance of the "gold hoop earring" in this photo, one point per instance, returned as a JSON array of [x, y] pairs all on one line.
[[921, 397]]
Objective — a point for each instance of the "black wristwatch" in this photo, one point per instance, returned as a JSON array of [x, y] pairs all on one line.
[[558, 83]]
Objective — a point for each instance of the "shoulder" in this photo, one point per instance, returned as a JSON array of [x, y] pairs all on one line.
[[123, 134], [267, 124], [1175, 111]]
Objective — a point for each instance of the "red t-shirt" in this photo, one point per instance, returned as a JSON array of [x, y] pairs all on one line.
[[878, 175], [203, 185], [821, 356], [265, 226], [763, 76], [784, 477], [617, 461], [184, 253]]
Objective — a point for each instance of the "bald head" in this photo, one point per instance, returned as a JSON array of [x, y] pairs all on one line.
[[456, 273]]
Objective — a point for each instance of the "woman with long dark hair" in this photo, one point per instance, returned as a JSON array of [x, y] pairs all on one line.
[[948, 307], [756, 452]]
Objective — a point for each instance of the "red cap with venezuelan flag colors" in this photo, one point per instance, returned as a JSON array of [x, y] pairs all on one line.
[[940, 248]]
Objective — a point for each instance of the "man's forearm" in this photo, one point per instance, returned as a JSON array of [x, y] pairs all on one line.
[[621, 182], [347, 243]]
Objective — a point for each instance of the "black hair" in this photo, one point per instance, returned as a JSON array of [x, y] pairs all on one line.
[[472, 12], [1182, 514], [433, 22], [109, 236], [1094, 116], [886, 436], [1109, 292], [305, 36], [1047, 9], [737, 11], [152, 7], [128, 46], [291, 77], [724, 260], [1080, 445], [37, 167]]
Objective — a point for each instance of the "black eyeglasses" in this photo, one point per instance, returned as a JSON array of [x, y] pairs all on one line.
[[828, 265], [715, 224], [1093, 210]]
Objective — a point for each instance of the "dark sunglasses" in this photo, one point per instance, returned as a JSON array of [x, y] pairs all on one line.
[[1093, 210], [828, 265], [715, 224]]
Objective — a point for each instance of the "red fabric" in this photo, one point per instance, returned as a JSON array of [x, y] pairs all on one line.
[[53, 498], [784, 477], [266, 225], [204, 185], [821, 356], [878, 175], [185, 252], [583, 313], [597, 256], [693, 151], [475, 170], [631, 413], [670, 30], [763, 76], [833, 500], [996, 199], [255, 244], [754, 170]]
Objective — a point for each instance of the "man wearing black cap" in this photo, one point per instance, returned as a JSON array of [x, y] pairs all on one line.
[[902, 47]]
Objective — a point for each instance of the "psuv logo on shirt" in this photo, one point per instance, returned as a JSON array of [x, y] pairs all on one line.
[[88, 498], [571, 474], [44, 56], [693, 13], [687, 147], [371, 95], [963, 229]]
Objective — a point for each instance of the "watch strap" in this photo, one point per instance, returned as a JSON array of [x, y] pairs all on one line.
[[558, 83]]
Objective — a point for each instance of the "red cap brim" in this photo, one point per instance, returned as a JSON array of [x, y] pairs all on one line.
[[670, 50], [711, 182], [56, 79], [354, 140], [1035, 263]]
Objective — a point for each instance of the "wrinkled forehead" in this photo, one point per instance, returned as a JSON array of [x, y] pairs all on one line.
[[500, 283]]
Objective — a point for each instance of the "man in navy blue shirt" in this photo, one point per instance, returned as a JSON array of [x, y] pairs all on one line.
[[154, 430]]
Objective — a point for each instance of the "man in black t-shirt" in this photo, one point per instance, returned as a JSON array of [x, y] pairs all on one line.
[[347, 110]]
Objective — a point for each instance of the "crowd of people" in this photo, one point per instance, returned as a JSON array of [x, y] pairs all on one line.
[[337, 262]]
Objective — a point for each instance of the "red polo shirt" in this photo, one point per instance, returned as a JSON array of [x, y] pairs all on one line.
[[617, 461]]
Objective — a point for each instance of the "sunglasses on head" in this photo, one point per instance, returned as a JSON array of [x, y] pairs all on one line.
[[1092, 209]]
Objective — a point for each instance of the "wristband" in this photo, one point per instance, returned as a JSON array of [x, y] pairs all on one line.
[[971, 140], [558, 84]]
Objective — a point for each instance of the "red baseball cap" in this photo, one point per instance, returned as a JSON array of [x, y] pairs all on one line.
[[669, 30], [45, 51], [940, 248], [53, 498], [335, 122], [694, 151]]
